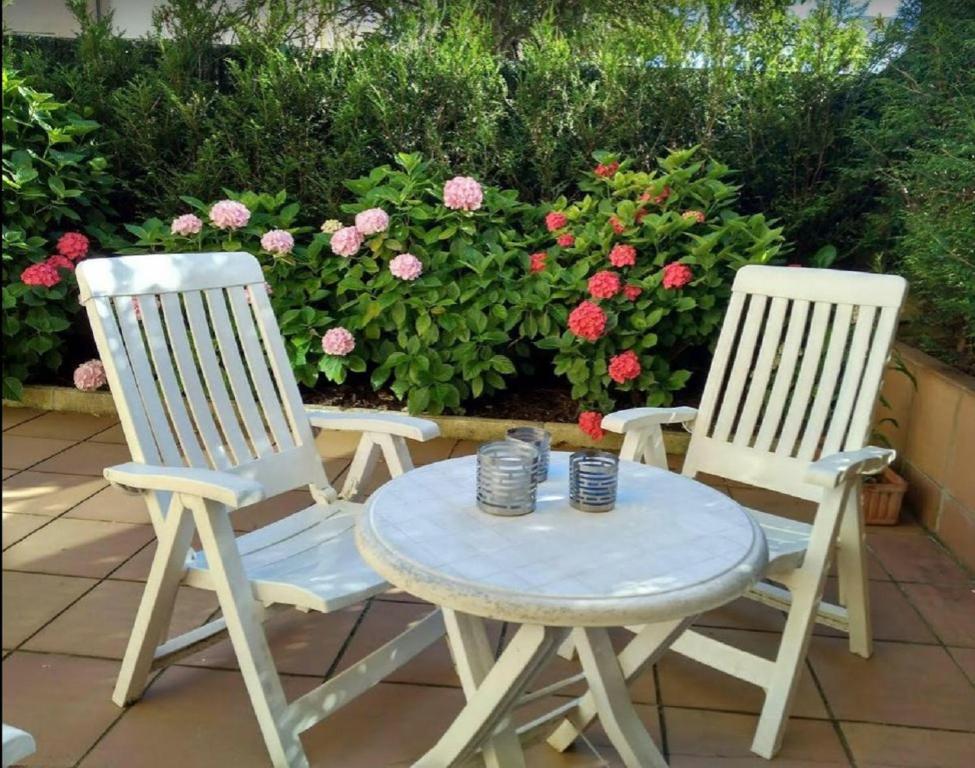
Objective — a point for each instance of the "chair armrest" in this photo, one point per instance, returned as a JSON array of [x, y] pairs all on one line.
[[639, 418], [387, 423], [222, 487], [834, 470]]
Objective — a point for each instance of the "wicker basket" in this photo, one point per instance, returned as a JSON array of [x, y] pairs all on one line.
[[881, 500]]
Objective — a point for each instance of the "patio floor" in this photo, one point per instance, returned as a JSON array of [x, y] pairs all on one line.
[[76, 551]]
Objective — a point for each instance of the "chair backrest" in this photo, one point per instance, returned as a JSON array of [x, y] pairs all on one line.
[[796, 373], [197, 366]]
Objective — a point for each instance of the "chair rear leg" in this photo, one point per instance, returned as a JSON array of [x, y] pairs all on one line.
[[854, 586]]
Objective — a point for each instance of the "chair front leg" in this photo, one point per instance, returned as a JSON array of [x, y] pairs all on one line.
[[851, 567], [394, 451]]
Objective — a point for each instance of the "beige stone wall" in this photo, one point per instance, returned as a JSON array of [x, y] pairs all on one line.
[[935, 441]]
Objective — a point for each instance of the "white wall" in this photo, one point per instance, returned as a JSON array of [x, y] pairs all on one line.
[[51, 17]]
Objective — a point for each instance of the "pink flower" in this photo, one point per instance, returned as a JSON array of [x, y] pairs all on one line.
[[607, 170], [60, 262], [555, 220], [591, 422], [462, 193], [229, 214], [624, 367], [277, 241], [346, 241], [537, 262], [604, 285], [74, 245], [186, 225], [697, 216], [567, 240], [371, 221], [617, 225], [640, 214], [676, 275], [90, 376], [656, 199], [338, 342], [632, 292], [622, 255], [587, 321], [41, 275], [406, 266]]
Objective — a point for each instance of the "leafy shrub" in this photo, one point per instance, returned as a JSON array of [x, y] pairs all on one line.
[[644, 262], [53, 180]]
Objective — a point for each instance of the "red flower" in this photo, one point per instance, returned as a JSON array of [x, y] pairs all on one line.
[[624, 367], [698, 216], [587, 321], [74, 245], [640, 214], [538, 262], [622, 255], [604, 285], [555, 220], [607, 170], [60, 262], [616, 224], [41, 275], [632, 292], [591, 422], [677, 275], [567, 240]]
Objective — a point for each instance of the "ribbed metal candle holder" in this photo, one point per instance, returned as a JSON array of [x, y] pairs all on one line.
[[593, 477], [506, 477], [542, 441]]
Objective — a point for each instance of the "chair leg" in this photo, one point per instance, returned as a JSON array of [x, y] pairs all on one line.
[[243, 616], [158, 600], [854, 586]]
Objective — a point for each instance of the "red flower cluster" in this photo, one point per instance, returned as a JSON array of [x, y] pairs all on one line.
[[617, 225], [604, 285], [607, 170], [587, 321], [60, 262], [622, 255], [698, 216], [624, 367], [555, 220], [632, 292], [43, 275], [537, 262], [655, 199], [591, 423], [73, 245], [676, 275], [567, 240]]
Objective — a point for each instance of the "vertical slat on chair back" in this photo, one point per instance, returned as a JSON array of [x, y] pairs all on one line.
[[197, 366], [796, 373]]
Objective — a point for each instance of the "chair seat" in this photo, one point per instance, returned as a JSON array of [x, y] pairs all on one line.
[[787, 540], [17, 745], [308, 559]]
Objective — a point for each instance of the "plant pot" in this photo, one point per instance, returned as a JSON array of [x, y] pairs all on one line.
[[881, 500]]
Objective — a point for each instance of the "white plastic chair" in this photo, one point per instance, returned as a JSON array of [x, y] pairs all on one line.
[[214, 421], [787, 406], [17, 745]]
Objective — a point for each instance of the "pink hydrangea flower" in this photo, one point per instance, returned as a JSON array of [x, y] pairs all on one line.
[[277, 241], [622, 255], [462, 193], [624, 367], [338, 342], [632, 292], [587, 321], [60, 262], [186, 225], [73, 245], [555, 220], [90, 376], [41, 275], [566, 241], [676, 275], [591, 422], [229, 214], [604, 285], [537, 262], [346, 241], [406, 266], [371, 221]]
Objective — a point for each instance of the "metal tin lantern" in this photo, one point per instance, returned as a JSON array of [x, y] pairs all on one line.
[[593, 478], [507, 477], [542, 441]]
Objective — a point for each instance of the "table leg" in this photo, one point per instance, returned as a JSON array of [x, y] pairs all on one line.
[[608, 697], [492, 690]]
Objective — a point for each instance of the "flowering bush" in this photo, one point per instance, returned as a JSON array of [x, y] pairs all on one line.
[[639, 272]]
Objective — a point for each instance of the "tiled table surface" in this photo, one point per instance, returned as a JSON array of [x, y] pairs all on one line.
[[75, 552]]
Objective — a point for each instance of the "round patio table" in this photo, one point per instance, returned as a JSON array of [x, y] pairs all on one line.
[[672, 548]]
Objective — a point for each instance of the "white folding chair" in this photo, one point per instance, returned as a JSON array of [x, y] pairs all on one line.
[[17, 745], [787, 406], [214, 421]]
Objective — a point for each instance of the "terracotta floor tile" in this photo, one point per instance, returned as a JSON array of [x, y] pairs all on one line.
[[47, 493], [774, 503], [688, 683], [302, 643], [882, 746], [333, 443], [258, 515], [397, 595], [965, 658], [902, 684], [31, 600], [99, 624], [86, 459], [916, 558], [77, 548], [698, 739], [65, 426], [113, 506], [136, 568], [22, 452], [14, 416], [744, 614], [894, 618], [16, 527], [875, 569], [5, 473], [111, 435], [465, 448], [949, 609], [64, 702]]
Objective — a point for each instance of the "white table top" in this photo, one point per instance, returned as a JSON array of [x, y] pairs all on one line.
[[671, 547]]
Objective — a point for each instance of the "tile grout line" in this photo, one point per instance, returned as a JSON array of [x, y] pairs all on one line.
[[837, 729], [348, 640], [661, 718]]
